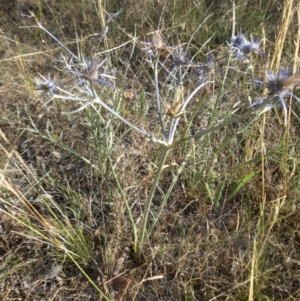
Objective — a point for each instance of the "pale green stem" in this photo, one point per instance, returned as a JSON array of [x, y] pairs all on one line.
[[158, 97], [222, 125], [134, 229], [87, 277], [142, 235], [167, 195], [174, 121], [54, 38], [252, 79], [98, 100]]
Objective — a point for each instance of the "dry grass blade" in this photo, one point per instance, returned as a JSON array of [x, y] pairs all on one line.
[[288, 16]]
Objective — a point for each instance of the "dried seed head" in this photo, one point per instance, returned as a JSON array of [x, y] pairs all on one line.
[[91, 70], [155, 42], [174, 110]]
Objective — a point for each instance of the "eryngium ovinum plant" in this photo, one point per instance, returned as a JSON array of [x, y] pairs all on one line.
[[177, 68]]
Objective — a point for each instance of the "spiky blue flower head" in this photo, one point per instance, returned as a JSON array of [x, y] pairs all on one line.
[[276, 84], [46, 85], [244, 48], [204, 68], [91, 72], [281, 86]]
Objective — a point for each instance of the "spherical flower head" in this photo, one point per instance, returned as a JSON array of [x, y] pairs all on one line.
[[46, 85], [204, 68], [244, 48], [238, 41], [91, 69], [277, 84], [91, 72], [281, 86], [180, 58]]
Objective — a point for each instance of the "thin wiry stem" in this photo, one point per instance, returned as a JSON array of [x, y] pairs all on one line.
[[174, 121], [53, 37], [158, 98], [143, 229], [87, 277], [134, 228], [98, 100], [284, 108], [250, 111], [168, 193], [252, 79]]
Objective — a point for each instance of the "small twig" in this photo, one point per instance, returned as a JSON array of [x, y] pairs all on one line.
[[110, 17], [53, 37]]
